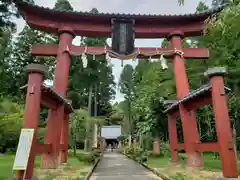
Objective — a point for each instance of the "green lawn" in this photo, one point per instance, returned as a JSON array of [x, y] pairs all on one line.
[[211, 164], [155, 162], [6, 164]]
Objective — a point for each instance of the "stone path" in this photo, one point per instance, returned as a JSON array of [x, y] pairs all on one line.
[[116, 166]]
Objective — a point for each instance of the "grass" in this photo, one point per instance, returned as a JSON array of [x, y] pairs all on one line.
[[155, 162], [6, 164], [210, 162], [212, 167]]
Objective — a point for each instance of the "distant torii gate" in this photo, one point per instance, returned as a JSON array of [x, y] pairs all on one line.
[[69, 24]]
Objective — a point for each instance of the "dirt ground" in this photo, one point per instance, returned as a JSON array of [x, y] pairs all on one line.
[[64, 172]]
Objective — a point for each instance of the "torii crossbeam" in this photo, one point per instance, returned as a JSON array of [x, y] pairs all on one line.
[[99, 51]]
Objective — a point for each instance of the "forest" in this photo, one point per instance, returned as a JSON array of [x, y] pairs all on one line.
[[145, 87]]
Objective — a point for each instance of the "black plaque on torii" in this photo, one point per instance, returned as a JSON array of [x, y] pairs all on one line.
[[123, 36]]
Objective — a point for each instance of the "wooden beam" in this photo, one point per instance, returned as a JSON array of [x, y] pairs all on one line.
[[207, 147], [181, 146], [203, 147], [44, 49], [52, 49], [143, 29], [43, 148]]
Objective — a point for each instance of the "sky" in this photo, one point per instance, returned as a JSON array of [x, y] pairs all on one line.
[[126, 6]]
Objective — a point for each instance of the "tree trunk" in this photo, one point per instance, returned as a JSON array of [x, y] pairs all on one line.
[[130, 124], [95, 130], [129, 141], [235, 141], [86, 144], [74, 147], [73, 141]]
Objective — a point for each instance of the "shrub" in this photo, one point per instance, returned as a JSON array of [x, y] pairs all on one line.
[[137, 153], [85, 157]]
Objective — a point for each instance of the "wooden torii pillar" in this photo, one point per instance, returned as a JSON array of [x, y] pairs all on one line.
[[188, 119], [36, 75], [55, 130], [222, 120]]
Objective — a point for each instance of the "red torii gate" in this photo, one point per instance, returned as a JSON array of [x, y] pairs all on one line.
[[212, 93], [69, 24]]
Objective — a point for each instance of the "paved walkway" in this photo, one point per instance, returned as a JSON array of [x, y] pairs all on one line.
[[116, 166]]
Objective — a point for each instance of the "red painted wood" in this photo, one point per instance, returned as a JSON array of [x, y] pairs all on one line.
[[172, 129], [180, 146], [104, 29], [207, 147], [55, 117], [44, 49], [101, 18], [51, 50], [202, 147], [53, 130], [64, 139], [43, 148], [63, 146], [31, 114], [223, 127], [188, 119], [62, 64]]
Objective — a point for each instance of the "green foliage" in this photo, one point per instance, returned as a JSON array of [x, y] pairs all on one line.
[[11, 116], [7, 12], [136, 153], [87, 157], [147, 86], [122, 137], [63, 5]]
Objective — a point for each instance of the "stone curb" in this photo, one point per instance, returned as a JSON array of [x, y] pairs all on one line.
[[89, 174], [150, 169]]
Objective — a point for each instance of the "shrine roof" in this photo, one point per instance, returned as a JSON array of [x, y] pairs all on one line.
[[195, 93], [49, 93], [23, 5]]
